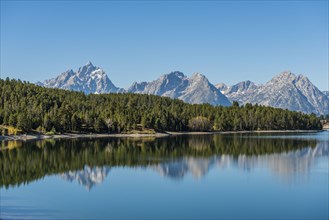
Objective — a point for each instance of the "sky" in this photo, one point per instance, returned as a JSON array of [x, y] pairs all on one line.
[[140, 40]]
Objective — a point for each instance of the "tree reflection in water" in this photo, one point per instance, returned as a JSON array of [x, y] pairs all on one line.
[[89, 161]]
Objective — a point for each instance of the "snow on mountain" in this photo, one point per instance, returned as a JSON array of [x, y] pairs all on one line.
[[221, 86], [166, 85], [242, 87], [196, 89], [137, 87], [286, 90], [238, 92], [200, 90], [91, 79], [88, 79]]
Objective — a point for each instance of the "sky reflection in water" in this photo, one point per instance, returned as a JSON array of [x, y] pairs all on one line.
[[198, 177]]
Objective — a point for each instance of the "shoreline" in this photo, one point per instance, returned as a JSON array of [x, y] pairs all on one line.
[[29, 137]]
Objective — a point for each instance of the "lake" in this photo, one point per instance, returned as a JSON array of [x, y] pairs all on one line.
[[221, 176]]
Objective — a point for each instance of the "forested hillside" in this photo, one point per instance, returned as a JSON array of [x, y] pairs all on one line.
[[31, 107]]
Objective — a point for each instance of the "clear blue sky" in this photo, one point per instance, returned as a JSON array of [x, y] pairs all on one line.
[[140, 40]]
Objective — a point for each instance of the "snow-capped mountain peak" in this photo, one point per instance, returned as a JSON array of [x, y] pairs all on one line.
[[285, 75], [285, 90], [88, 79], [175, 74], [197, 75], [198, 78], [86, 70], [196, 89], [98, 73], [89, 63]]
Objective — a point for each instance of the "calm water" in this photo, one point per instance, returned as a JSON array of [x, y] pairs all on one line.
[[272, 176]]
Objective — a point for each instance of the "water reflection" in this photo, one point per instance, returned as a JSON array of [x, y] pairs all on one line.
[[88, 176], [178, 169], [286, 165], [89, 161]]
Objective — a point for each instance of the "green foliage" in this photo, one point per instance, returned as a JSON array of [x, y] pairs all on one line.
[[23, 122], [28, 106], [199, 123]]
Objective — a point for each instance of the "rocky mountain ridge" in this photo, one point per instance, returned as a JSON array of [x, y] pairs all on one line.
[[196, 89], [88, 79], [286, 90]]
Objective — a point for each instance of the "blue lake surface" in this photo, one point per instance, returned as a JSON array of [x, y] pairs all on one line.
[[222, 176]]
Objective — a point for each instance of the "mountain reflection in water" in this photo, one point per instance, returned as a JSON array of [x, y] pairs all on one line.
[[88, 176], [89, 160], [287, 165], [222, 176]]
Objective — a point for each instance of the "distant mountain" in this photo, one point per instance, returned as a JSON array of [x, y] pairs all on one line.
[[221, 86], [88, 79], [239, 92], [91, 79], [286, 90], [196, 89]]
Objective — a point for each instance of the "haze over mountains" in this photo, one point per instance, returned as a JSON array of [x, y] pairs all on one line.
[[286, 90]]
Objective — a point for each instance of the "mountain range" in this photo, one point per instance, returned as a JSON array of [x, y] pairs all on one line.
[[196, 89], [285, 90]]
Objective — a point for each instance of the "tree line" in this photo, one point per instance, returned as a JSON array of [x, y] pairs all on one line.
[[30, 107]]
